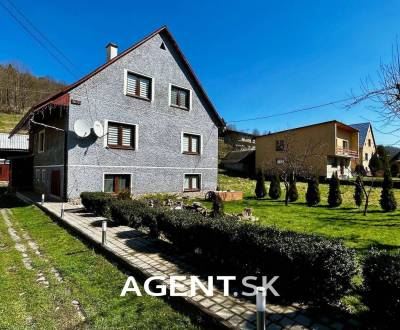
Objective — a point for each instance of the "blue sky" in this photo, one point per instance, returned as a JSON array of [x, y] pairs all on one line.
[[254, 58]]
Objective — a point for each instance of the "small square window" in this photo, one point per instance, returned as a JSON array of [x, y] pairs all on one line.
[[115, 183], [138, 86], [192, 182], [180, 97], [191, 144], [280, 161], [279, 145], [121, 136]]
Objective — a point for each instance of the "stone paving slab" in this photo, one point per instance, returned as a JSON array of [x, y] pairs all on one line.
[[154, 257]]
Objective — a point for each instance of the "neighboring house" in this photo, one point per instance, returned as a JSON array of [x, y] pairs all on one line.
[[366, 142], [239, 140], [331, 147], [161, 129], [10, 148], [241, 161]]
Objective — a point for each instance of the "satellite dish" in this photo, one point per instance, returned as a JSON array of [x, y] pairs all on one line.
[[82, 128], [98, 129]]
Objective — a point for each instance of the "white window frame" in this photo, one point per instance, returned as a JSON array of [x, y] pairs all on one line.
[[43, 176], [181, 87], [136, 137], [42, 132], [201, 142], [118, 173], [183, 182], [280, 161], [126, 71]]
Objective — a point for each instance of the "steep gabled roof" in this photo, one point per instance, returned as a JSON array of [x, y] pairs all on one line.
[[236, 156], [70, 87], [363, 129]]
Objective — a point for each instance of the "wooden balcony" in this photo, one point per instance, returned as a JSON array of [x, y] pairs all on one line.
[[346, 152]]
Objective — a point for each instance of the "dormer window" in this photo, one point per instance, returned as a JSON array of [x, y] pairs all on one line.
[[180, 97], [138, 86]]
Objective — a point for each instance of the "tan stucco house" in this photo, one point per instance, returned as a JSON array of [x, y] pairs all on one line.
[[366, 142], [330, 147]]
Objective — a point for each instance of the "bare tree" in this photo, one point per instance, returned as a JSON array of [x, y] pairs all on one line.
[[384, 92], [366, 191], [296, 160]]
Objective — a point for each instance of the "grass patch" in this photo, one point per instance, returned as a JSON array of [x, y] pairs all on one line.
[[88, 277], [378, 229]]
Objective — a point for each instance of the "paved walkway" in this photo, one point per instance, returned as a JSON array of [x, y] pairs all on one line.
[[155, 258]]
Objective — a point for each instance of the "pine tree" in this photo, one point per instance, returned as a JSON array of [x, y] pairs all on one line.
[[358, 192], [312, 195], [293, 194], [260, 186], [374, 163], [388, 201], [275, 187], [334, 195]]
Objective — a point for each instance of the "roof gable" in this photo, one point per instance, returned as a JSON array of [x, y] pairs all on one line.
[[363, 132], [165, 32]]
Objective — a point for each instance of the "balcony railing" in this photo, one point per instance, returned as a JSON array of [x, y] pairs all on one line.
[[346, 152]]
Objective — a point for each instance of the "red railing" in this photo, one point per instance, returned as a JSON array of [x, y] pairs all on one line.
[[346, 152]]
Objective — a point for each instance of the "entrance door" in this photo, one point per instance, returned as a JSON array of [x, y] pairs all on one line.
[[55, 183]]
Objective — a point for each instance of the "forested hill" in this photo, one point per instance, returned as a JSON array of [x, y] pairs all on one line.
[[19, 90]]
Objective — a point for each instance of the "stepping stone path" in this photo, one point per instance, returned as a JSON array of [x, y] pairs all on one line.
[[21, 245], [155, 258]]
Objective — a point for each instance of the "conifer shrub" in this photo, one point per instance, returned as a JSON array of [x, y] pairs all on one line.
[[275, 187], [313, 196], [334, 194], [358, 192], [293, 194], [387, 201], [260, 190], [217, 206]]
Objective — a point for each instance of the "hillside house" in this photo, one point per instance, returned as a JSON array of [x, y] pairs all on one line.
[[367, 145]]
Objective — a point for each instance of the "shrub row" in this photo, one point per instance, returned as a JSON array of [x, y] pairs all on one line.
[[381, 272], [311, 268]]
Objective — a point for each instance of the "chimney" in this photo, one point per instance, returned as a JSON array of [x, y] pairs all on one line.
[[112, 51]]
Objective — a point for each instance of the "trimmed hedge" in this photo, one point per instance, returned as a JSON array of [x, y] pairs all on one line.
[[311, 269], [97, 202], [382, 286]]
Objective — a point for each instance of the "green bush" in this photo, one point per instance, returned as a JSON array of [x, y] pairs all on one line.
[[217, 206], [260, 190], [382, 287], [388, 201], [312, 195], [334, 194], [358, 192], [275, 187], [97, 202]]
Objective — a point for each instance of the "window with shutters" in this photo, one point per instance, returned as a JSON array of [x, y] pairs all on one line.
[[180, 97], [121, 136], [191, 144], [115, 183], [138, 86], [192, 182]]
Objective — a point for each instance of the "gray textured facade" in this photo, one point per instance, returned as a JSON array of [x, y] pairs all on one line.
[[157, 164]]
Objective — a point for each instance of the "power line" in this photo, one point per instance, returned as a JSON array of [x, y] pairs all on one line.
[[28, 30], [293, 111]]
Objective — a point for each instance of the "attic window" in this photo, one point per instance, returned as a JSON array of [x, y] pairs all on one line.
[[162, 46]]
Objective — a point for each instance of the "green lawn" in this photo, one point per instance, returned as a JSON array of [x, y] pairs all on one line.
[[88, 278], [347, 222], [8, 121]]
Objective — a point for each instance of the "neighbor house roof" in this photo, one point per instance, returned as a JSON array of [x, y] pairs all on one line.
[[237, 156], [340, 124], [19, 142], [363, 129], [163, 30], [228, 130]]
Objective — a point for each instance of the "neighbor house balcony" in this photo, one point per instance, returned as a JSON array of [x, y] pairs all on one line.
[[346, 152]]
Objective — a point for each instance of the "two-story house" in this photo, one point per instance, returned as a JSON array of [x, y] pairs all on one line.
[[367, 143], [326, 148], [160, 127]]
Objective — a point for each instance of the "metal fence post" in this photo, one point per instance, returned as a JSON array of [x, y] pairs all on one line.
[[62, 210], [261, 306], [42, 202], [104, 232]]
